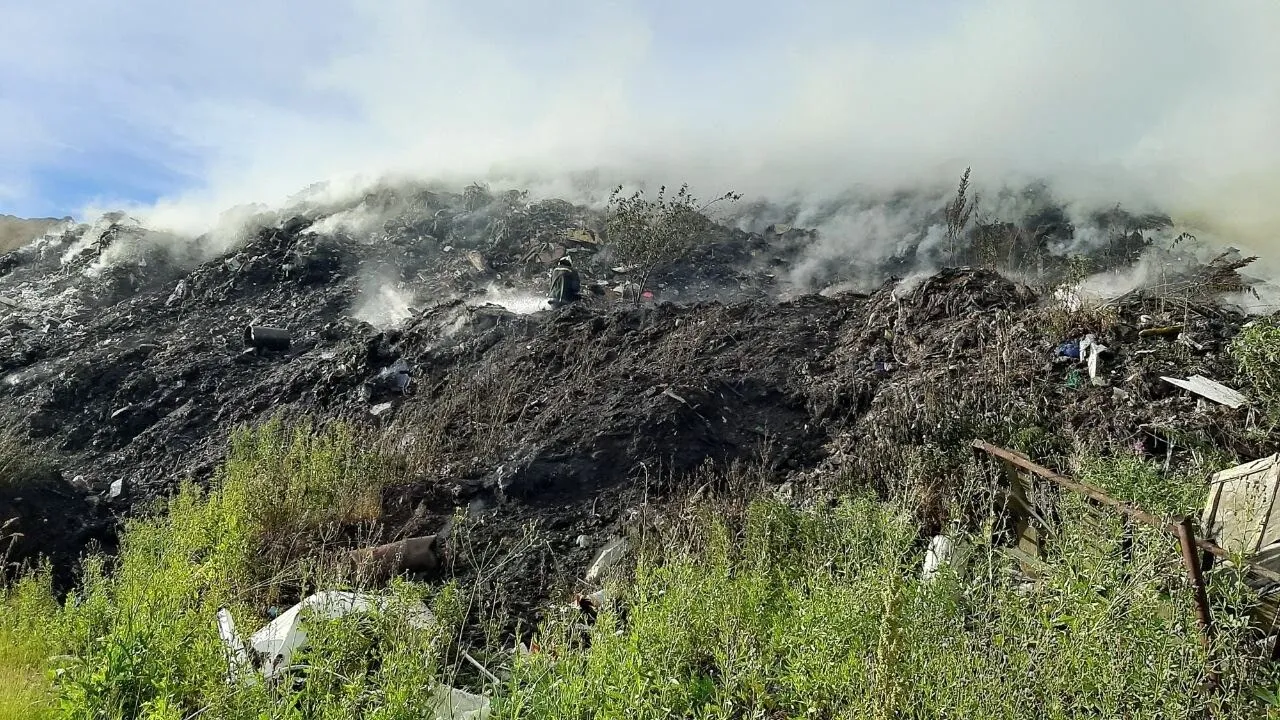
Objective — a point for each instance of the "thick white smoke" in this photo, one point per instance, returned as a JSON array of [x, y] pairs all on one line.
[[1171, 102]]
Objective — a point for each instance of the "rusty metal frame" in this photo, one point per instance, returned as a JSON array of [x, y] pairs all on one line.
[[1182, 529], [1101, 498]]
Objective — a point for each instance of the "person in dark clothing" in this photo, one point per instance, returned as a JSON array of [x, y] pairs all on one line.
[[566, 286]]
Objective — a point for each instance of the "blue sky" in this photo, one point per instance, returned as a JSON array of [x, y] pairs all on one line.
[[191, 108]]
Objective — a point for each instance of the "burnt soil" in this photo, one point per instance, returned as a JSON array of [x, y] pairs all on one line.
[[556, 424]]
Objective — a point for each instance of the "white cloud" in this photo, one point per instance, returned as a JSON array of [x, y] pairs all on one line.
[[1169, 100]]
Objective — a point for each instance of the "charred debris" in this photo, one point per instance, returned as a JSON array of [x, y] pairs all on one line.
[[127, 356]]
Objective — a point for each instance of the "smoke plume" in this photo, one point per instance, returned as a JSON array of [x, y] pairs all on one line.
[[1153, 103]]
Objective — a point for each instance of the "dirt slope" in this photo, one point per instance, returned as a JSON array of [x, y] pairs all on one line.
[[16, 232], [136, 371]]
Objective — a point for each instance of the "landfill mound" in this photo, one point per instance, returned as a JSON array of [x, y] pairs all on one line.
[[16, 232], [123, 359]]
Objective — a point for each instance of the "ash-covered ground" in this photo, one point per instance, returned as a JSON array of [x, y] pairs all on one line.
[[419, 314]]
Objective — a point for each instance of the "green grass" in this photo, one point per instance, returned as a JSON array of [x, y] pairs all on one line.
[[142, 627], [1141, 482], [764, 611], [821, 615]]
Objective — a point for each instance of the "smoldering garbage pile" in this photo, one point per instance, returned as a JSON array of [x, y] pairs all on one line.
[[130, 374]]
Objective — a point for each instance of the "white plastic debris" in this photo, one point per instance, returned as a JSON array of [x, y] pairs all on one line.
[[944, 551], [455, 704], [239, 663], [1090, 350], [116, 489], [611, 554], [280, 638], [379, 409], [179, 292], [937, 556]]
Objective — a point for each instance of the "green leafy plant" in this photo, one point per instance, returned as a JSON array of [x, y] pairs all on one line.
[[1257, 354], [645, 234]]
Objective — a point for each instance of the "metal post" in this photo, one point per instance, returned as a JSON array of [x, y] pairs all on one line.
[[1191, 559]]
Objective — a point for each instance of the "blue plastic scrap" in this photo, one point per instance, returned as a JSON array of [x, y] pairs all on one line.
[[1070, 349]]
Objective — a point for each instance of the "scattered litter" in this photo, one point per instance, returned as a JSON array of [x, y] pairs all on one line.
[[590, 603], [1215, 391], [448, 248], [583, 541], [379, 409], [179, 292], [1160, 331], [943, 552], [1090, 353], [1070, 349], [1186, 339], [380, 563], [477, 260], [626, 268], [671, 394], [116, 490], [238, 660], [394, 378], [9, 302], [611, 554], [279, 639], [397, 376]]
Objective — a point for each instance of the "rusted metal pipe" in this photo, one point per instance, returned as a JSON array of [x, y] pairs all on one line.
[[1103, 499], [379, 564], [1191, 559]]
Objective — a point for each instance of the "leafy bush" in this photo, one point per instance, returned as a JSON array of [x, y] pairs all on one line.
[[1257, 354], [820, 614], [142, 627], [775, 613], [649, 233]]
